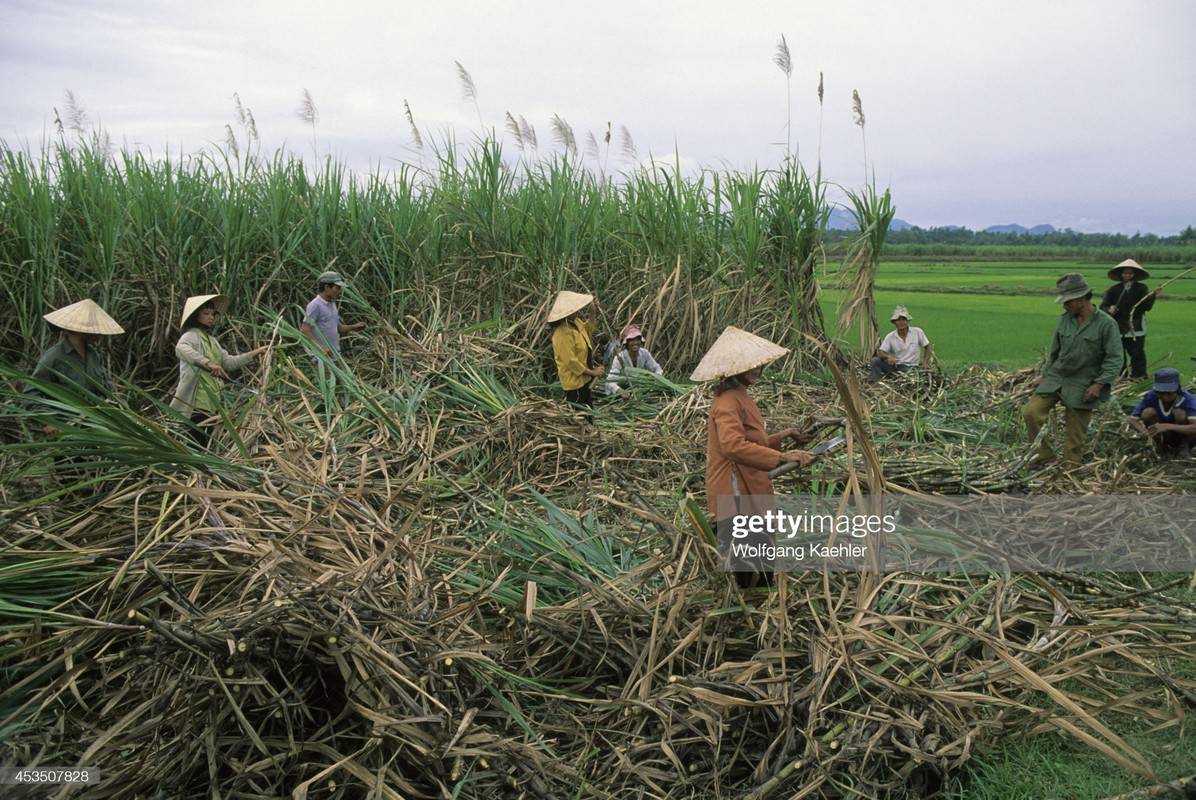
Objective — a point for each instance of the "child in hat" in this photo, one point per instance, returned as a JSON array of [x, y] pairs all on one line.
[[1167, 414], [633, 356]]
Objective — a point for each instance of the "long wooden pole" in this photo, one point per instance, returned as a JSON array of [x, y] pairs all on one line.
[[1156, 291]]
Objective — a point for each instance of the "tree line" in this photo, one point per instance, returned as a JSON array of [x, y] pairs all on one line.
[[954, 242]]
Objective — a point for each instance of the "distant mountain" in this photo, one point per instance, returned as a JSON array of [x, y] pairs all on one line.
[[841, 220], [1037, 230]]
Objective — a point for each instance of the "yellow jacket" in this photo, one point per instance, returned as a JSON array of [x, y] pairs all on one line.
[[571, 344]]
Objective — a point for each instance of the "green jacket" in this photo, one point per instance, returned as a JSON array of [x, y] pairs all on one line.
[[1081, 356], [86, 376]]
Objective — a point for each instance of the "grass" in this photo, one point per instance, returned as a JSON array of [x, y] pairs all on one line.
[[456, 554], [1055, 767], [1052, 766], [421, 529], [1015, 277], [469, 237]]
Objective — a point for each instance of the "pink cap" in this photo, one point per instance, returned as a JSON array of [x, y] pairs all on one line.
[[632, 332]]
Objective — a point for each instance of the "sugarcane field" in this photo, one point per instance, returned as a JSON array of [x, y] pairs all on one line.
[[261, 554]]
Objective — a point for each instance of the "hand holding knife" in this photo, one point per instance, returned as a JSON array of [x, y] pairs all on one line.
[[820, 422]]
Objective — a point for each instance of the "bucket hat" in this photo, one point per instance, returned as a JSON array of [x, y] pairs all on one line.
[[900, 311], [632, 332], [1166, 380], [1071, 286], [197, 302], [734, 352], [567, 303], [84, 317], [329, 277], [1139, 273]]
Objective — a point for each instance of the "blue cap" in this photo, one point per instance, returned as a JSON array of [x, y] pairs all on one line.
[[1166, 380]]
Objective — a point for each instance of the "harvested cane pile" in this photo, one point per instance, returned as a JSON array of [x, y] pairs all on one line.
[[424, 583]]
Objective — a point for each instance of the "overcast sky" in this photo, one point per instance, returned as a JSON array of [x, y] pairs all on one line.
[[1077, 113]]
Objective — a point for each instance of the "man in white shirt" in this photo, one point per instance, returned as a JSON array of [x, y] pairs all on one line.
[[321, 320], [633, 356], [903, 349]]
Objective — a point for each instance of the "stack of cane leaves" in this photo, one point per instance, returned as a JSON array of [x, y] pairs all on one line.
[[413, 576], [967, 437]]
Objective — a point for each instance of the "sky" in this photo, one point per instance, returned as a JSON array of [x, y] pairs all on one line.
[[1074, 113]]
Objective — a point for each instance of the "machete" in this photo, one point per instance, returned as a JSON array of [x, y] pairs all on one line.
[[789, 466]]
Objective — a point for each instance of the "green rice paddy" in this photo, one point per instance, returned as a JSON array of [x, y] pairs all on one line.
[[1003, 313]]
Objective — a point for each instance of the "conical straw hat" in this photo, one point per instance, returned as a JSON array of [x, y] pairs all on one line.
[[568, 303], [84, 317], [734, 352], [1139, 273], [194, 304]]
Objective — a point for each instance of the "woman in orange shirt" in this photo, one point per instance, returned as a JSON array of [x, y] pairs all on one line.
[[739, 450]]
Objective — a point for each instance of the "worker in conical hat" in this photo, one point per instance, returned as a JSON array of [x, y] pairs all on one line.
[[739, 450], [573, 345], [204, 363], [1127, 302], [73, 362]]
